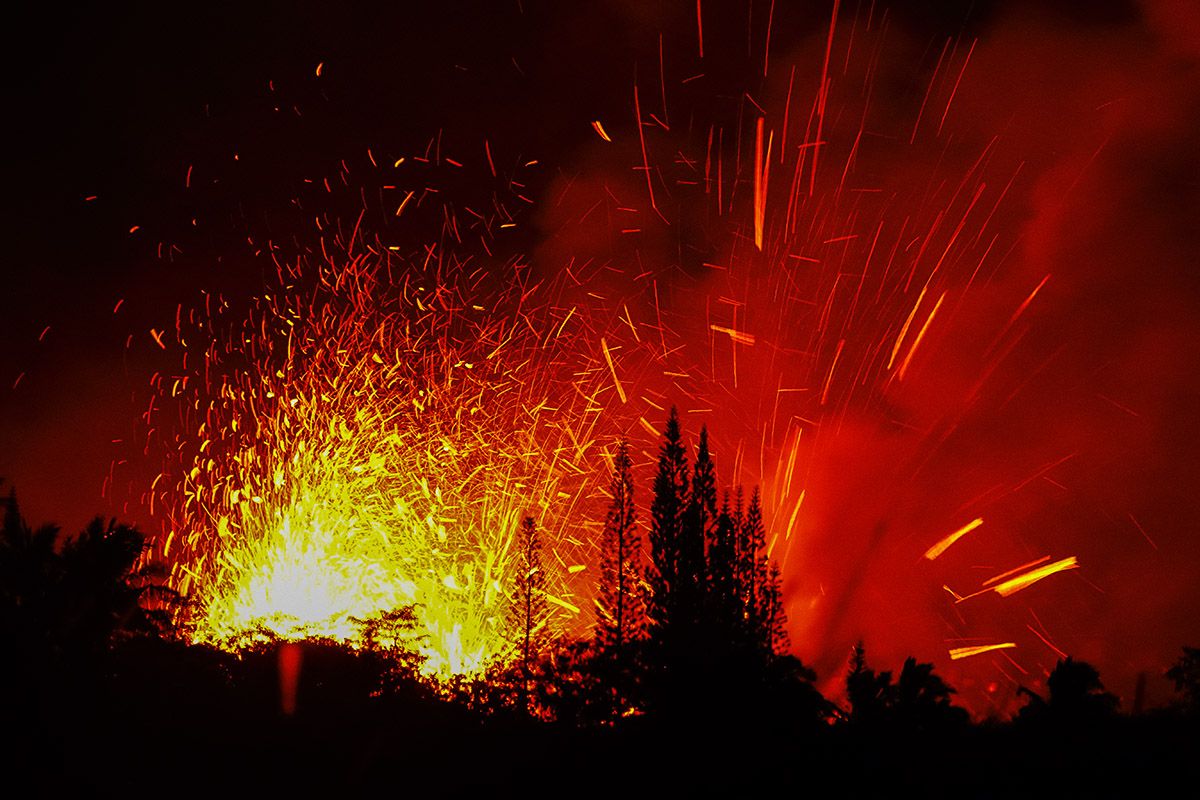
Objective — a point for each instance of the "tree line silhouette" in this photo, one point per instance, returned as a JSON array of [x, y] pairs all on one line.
[[705, 611], [688, 672]]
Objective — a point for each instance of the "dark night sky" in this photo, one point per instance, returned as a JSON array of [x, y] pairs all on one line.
[[117, 101]]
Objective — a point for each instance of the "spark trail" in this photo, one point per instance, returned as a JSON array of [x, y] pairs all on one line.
[[369, 436]]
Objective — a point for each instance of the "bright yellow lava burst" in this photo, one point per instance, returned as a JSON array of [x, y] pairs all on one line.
[[361, 446]]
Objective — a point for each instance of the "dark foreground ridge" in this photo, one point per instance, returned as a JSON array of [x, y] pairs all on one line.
[[687, 687], [190, 721]]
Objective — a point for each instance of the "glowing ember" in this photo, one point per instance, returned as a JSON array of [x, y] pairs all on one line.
[[359, 446], [966, 652], [944, 544], [1025, 580]]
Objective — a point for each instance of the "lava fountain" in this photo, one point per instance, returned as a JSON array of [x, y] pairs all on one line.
[[369, 438]]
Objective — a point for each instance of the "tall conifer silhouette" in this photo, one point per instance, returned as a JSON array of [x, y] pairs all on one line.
[[699, 530], [724, 603], [530, 596], [668, 513], [752, 567], [773, 625], [621, 610]]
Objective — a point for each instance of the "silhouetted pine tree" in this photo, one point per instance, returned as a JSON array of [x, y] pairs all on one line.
[[738, 510], [699, 529], [724, 602], [773, 625], [668, 513], [752, 571], [530, 595], [621, 611], [869, 693], [529, 611]]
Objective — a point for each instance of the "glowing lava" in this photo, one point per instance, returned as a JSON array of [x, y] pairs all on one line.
[[359, 446]]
